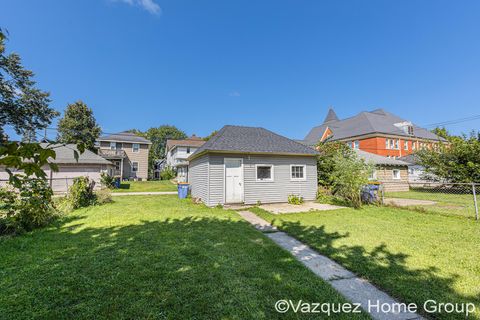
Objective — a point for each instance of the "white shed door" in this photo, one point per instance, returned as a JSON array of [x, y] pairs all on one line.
[[233, 180]]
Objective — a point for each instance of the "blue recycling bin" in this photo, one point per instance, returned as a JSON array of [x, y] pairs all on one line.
[[183, 190], [117, 183], [369, 193]]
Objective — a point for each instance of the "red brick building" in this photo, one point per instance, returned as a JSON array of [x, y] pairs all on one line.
[[378, 132]]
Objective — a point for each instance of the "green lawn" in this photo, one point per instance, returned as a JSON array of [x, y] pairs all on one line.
[[151, 257], [413, 256], [446, 203], [145, 186]]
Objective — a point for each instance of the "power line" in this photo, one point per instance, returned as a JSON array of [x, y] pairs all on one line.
[[449, 122]]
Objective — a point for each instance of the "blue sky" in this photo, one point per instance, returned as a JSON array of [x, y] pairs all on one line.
[[276, 64]]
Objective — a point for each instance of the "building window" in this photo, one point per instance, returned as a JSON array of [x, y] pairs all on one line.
[[405, 145], [387, 146], [134, 166], [135, 147], [414, 145], [297, 172], [397, 144], [396, 174], [410, 130], [356, 144], [113, 146], [264, 172], [188, 149], [373, 175]]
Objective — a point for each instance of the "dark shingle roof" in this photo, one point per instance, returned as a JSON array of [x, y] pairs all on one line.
[[379, 160], [252, 140], [124, 137], [65, 155], [377, 121]]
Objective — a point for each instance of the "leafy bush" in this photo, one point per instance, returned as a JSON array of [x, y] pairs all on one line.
[[81, 194], [294, 199], [349, 177], [342, 173], [167, 173], [27, 207], [103, 196], [107, 180]]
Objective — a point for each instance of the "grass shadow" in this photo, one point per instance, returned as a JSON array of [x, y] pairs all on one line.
[[185, 268]]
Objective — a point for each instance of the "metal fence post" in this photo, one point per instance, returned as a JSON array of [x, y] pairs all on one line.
[[475, 201]]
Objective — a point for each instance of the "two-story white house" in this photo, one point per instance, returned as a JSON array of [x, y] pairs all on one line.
[[177, 153]]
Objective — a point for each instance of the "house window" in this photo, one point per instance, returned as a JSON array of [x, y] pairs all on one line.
[[373, 175], [117, 165], [356, 144], [264, 172], [414, 145], [134, 166], [396, 174], [188, 149], [113, 146], [135, 147], [405, 145], [297, 172], [387, 146]]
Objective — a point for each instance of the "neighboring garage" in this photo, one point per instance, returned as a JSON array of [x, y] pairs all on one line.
[[89, 165]]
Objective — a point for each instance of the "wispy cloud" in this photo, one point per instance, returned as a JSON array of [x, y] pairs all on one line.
[[149, 5], [234, 94]]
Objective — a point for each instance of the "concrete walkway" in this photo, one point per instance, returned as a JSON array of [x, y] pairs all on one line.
[[353, 288], [148, 193]]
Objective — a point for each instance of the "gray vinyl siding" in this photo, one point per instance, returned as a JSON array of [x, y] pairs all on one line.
[[265, 192], [217, 175], [198, 177]]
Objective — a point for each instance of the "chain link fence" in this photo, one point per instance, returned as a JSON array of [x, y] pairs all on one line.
[[451, 199]]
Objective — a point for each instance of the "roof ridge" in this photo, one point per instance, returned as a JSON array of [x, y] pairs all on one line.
[[279, 135]]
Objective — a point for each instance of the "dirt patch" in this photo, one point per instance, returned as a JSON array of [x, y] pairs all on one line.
[[278, 208], [408, 202]]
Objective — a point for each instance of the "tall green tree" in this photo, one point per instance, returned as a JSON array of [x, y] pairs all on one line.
[[214, 132], [441, 132], [457, 161], [78, 125], [22, 106], [26, 109]]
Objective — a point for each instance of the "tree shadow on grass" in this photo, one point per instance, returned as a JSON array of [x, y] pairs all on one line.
[[387, 270], [203, 268]]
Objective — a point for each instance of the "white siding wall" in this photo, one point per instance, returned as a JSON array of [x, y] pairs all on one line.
[[198, 177], [265, 192]]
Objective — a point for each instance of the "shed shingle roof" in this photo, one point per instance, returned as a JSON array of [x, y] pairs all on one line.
[[124, 137], [240, 139], [376, 121], [65, 155]]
